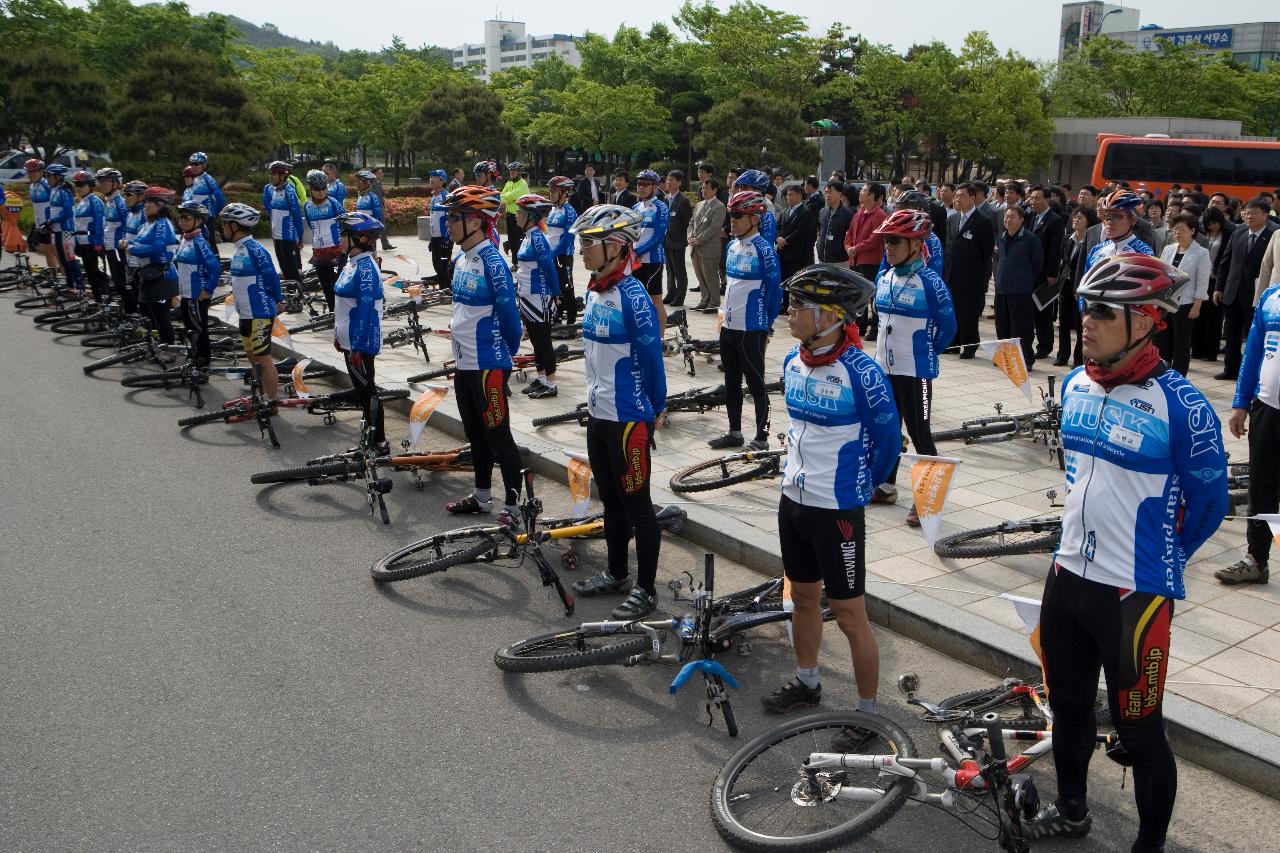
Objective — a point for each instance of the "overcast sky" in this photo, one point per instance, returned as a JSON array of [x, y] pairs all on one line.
[[1028, 27]]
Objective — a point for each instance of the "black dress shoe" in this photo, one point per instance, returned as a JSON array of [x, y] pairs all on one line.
[[1226, 376], [1059, 362], [968, 355]]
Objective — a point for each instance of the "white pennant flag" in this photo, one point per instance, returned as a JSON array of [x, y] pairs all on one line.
[[229, 307], [427, 401]]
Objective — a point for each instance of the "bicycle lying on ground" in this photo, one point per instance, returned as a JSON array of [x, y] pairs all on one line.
[[519, 364], [256, 407], [685, 345], [697, 638], [479, 544], [1043, 426], [1040, 535], [730, 469], [790, 789], [696, 400]]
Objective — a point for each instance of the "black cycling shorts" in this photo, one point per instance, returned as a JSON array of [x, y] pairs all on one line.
[[650, 275], [827, 545]]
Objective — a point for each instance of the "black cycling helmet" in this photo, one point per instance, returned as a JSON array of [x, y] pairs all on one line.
[[833, 286], [912, 200]]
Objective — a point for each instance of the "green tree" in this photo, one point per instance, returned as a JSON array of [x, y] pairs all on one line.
[[622, 121], [159, 118], [750, 47], [757, 130], [386, 95], [51, 100], [527, 92], [304, 99], [458, 116], [1000, 123], [118, 32]]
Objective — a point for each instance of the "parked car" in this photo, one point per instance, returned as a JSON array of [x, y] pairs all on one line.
[[11, 171]]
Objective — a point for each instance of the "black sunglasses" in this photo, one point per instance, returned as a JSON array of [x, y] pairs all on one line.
[[738, 215], [1098, 310], [893, 241]]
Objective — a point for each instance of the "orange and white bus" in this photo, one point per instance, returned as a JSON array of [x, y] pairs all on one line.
[[1154, 163]]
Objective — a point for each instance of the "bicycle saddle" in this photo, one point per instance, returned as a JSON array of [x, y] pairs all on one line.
[[676, 317]]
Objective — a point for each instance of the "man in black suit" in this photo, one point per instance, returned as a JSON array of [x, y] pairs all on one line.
[[587, 193], [966, 265], [833, 224], [677, 239], [796, 233], [1237, 274], [812, 195], [1047, 224], [937, 214], [621, 193]]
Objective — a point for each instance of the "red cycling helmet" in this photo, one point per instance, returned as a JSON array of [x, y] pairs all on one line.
[[84, 178], [188, 171], [534, 206], [748, 201], [35, 164], [560, 182], [163, 195], [913, 224], [1133, 279]]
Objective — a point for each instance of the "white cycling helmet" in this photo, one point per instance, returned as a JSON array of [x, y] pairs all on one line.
[[241, 214], [611, 223]]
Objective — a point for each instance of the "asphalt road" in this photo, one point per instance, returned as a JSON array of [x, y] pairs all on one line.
[[190, 662]]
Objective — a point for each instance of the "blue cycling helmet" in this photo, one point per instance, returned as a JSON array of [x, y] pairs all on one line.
[[198, 159], [55, 169], [438, 173], [753, 178], [1125, 200], [194, 208], [648, 175], [359, 223]]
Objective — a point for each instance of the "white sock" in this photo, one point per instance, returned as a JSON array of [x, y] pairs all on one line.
[[550, 383], [482, 495], [807, 677], [867, 706]]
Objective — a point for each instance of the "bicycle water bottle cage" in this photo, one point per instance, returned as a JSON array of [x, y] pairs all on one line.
[[707, 667]]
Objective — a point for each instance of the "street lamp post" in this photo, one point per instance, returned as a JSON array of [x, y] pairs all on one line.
[[688, 121]]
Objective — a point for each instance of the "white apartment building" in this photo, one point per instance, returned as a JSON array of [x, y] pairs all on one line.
[[506, 46]]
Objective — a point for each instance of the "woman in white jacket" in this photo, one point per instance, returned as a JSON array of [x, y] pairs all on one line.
[[1189, 256]]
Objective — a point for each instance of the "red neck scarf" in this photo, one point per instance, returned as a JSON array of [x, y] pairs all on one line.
[[1141, 367], [600, 285], [192, 234], [851, 339]]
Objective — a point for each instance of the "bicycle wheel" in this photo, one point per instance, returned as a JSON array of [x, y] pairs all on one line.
[[122, 357], [387, 394], [726, 708], [572, 649], [579, 414], [438, 373], [981, 430], [443, 551], [1033, 536], [763, 801], [223, 415], [32, 302], [310, 472], [1238, 498], [168, 379], [79, 325], [717, 473], [319, 324]]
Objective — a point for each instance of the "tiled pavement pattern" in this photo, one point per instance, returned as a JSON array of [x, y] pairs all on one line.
[[1226, 639]]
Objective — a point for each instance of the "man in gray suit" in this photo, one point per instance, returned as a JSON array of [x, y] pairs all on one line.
[[1238, 270], [706, 240]]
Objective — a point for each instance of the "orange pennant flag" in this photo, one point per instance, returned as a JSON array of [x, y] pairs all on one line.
[[1007, 355], [299, 386], [930, 482], [579, 483], [426, 403]]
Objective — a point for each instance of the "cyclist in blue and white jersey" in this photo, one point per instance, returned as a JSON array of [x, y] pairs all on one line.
[[205, 190], [61, 222], [256, 287], [188, 181], [932, 251], [134, 217], [843, 439], [198, 273], [752, 299], [486, 332], [89, 212], [916, 323], [538, 288], [337, 189], [38, 192], [321, 213], [155, 245], [440, 246], [1257, 399], [115, 212], [1146, 487], [754, 180], [1118, 211], [357, 330], [560, 235], [650, 255], [282, 204], [626, 394]]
